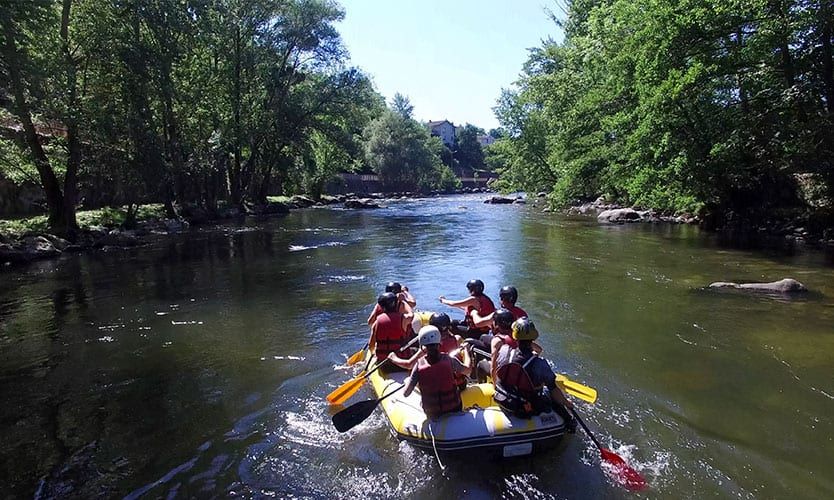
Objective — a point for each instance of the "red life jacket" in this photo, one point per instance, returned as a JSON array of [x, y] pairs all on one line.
[[507, 340], [438, 391], [485, 307], [514, 390], [390, 335], [517, 312], [448, 344]]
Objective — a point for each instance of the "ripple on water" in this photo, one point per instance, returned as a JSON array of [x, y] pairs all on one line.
[[300, 248], [523, 486]]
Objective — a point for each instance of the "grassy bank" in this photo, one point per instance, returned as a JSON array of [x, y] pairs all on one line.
[[108, 217]]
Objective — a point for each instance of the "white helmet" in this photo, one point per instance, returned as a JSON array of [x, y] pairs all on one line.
[[417, 322], [429, 335]]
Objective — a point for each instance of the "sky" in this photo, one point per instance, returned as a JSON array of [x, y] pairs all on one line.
[[450, 58]]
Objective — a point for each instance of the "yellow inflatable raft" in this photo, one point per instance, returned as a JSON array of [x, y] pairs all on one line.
[[482, 425]]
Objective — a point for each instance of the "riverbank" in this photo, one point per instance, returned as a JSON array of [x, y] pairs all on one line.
[[795, 226], [28, 240]]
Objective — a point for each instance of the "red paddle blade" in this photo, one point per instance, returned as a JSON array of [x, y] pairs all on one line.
[[623, 473]]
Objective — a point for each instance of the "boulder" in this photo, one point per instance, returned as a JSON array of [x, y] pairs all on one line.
[[542, 194], [785, 285], [619, 216], [499, 200], [172, 226], [116, 238], [28, 249], [38, 247], [196, 215], [299, 201], [362, 203], [270, 208], [58, 242], [520, 201]]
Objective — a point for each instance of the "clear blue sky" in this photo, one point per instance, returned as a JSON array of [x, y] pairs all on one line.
[[452, 57]]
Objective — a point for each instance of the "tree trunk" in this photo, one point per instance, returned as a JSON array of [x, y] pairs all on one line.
[[235, 173], [49, 181], [172, 141], [69, 222]]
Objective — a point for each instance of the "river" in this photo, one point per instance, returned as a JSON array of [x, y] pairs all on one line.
[[197, 365]]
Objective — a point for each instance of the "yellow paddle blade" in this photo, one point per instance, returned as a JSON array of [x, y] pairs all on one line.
[[346, 390], [357, 357], [576, 389]]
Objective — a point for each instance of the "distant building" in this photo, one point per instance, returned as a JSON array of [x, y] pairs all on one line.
[[485, 140], [445, 130]]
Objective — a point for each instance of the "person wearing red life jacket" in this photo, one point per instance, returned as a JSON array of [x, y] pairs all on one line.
[[525, 385], [476, 301], [449, 344], [507, 297], [502, 334], [389, 332], [405, 301], [435, 373]]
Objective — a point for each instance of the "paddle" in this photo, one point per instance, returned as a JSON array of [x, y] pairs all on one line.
[[583, 392], [576, 389], [355, 414], [357, 356], [349, 388], [624, 474]]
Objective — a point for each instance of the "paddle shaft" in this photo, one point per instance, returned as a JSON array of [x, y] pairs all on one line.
[[587, 430], [390, 393]]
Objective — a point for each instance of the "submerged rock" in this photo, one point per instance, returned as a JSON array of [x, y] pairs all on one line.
[[786, 285]]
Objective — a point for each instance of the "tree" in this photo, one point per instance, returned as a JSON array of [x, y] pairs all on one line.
[[675, 104], [33, 91], [402, 153], [402, 105], [468, 151]]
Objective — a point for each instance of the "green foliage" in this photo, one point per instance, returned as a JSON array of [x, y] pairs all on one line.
[[108, 217], [468, 152], [183, 101], [401, 152], [675, 104], [402, 106]]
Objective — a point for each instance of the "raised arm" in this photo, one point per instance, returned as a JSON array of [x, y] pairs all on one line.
[[460, 304], [408, 298]]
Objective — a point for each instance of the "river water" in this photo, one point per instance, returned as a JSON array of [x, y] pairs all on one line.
[[197, 365]]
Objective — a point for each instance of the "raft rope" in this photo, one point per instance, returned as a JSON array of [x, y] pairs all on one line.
[[434, 447]]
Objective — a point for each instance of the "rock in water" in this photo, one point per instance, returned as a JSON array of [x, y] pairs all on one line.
[[363, 203], [786, 285], [619, 215], [498, 200]]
